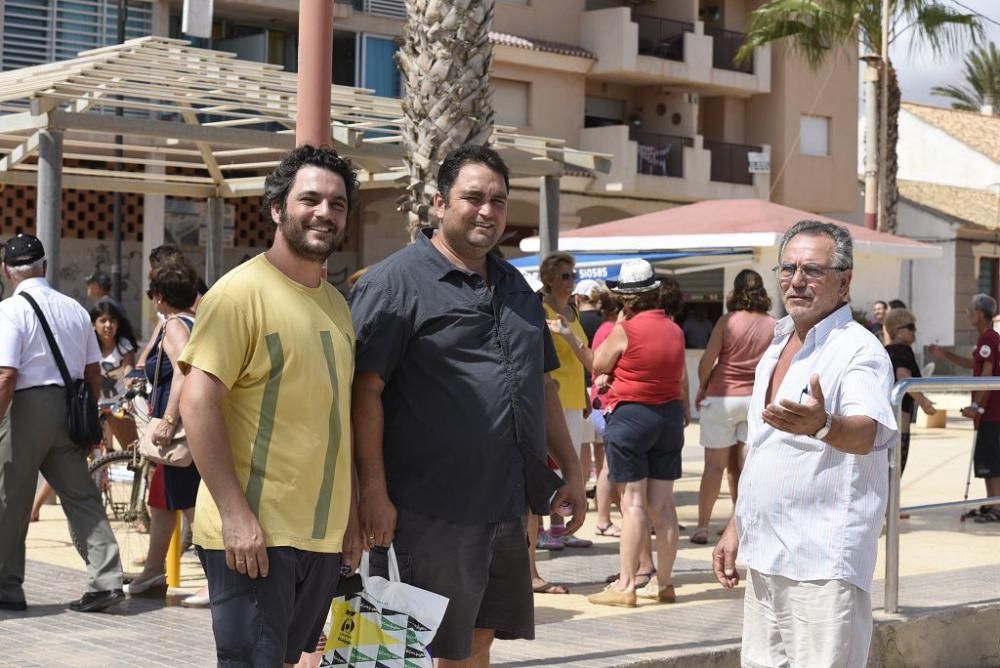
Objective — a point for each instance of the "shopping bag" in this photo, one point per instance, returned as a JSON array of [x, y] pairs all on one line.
[[388, 624]]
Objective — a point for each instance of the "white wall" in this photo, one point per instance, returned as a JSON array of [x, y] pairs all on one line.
[[929, 284], [931, 155]]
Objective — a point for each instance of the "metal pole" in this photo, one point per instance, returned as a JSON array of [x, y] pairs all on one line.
[[883, 144], [548, 215], [941, 384], [871, 141], [118, 206], [48, 211], [213, 245], [312, 115]]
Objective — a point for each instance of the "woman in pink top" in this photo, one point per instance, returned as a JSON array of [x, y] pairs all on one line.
[[726, 373], [644, 355]]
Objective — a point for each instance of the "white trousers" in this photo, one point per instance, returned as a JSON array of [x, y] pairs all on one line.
[[812, 624]]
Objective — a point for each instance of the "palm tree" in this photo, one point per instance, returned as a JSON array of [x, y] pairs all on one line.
[[445, 60], [982, 78], [816, 28]]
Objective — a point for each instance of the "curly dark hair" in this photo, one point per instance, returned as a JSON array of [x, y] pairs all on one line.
[[749, 293], [279, 182], [671, 296], [176, 281]]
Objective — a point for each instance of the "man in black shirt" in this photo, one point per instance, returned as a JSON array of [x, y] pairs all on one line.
[[453, 412]]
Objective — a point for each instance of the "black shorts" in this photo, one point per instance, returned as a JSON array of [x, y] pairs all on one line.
[[482, 569], [986, 458], [270, 621], [643, 441]]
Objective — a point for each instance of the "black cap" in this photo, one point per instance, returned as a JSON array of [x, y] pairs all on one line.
[[24, 249], [103, 280]]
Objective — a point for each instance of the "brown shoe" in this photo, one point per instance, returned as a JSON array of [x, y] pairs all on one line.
[[613, 597]]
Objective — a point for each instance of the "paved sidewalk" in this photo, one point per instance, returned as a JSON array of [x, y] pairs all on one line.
[[945, 563]]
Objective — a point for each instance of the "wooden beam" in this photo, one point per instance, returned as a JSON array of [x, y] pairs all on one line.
[[104, 184], [20, 153], [22, 121]]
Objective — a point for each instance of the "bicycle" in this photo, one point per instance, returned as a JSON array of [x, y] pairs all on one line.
[[122, 477]]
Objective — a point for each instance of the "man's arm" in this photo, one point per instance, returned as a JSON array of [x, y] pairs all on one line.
[[376, 513], [958, 360], [8, 382], [557, 439], [201, 409]]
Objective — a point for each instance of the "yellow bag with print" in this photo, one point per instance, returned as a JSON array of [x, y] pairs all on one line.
[[388, 624]]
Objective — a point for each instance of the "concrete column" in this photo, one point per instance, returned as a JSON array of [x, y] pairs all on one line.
[[48, 211], [312, 115], [548, 214], [213, 247], [153, 224]]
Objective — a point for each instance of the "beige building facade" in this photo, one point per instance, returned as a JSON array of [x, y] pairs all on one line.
[[652, 83]]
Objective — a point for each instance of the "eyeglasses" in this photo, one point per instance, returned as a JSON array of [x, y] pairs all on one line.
[[911, 326], [812, 272], [566, 275]]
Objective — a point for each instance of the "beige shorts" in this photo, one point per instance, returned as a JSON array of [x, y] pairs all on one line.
[[817, 623], [723, 421]]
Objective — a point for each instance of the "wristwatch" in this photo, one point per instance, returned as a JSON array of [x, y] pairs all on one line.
[[979, 409], [825, 429]]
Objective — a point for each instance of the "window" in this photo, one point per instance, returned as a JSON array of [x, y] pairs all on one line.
[[41, 31], [599, 112], [814, 135], [988, 276], [379, 66], [510, 102]]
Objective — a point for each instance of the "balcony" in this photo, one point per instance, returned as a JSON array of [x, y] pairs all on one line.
[[639, 49], [390, 9], [674, 168]]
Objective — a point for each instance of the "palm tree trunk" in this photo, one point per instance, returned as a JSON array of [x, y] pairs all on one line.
[[445, 60], [891, 159]]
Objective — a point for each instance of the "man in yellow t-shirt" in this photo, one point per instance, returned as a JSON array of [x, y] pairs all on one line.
[[266, 406]]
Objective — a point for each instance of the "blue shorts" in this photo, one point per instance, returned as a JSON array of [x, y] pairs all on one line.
[[643, 441]]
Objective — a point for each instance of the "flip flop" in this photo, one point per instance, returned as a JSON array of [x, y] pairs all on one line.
[[549, 588], [611, 531], [641, 579]]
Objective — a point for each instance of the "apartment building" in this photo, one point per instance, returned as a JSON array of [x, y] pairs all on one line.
[[651, 82]]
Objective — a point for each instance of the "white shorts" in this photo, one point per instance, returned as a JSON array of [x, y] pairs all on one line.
[[723, 421], [817, 623], [574, 423]]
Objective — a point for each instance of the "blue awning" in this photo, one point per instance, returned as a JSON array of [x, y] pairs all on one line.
[[605, 266]]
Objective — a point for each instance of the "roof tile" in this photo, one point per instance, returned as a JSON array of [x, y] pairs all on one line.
[[975, 130], [978, 207], [507, 39]]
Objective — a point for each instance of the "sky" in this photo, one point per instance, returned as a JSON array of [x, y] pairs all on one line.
[[919, 69]]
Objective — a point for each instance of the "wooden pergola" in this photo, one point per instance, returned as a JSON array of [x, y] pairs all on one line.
[[156, 115]]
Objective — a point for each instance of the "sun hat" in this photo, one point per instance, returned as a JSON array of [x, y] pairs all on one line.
[[586, 287], [635, 276]]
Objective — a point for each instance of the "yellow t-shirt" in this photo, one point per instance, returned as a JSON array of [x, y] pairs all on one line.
[[570, 371], [286, 353]]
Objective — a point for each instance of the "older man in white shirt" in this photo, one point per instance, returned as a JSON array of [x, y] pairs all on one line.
[[813, 493], [33, 429]]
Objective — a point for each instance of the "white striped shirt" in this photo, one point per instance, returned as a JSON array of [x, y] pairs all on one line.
[[807, 511]]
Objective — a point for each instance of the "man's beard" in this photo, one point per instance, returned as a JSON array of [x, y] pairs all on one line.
[[295, 234]]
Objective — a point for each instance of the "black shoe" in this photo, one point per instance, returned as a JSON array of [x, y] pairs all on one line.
[[94, 601], [13, 606]]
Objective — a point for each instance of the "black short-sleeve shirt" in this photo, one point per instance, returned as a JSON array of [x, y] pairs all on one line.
[[464, 366], [902, 357]]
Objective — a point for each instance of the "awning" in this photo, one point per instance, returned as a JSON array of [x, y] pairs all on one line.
[[605, 266]]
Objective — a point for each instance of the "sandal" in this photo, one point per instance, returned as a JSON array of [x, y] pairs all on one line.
[[611, 531], [974, 513], [549, 588], [641, 579], [700, 536], [988, 517]]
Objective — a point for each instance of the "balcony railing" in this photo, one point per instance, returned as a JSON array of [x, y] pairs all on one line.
[[661, 38], [724, 47], [731, 162], [393, 9], [660, 155]]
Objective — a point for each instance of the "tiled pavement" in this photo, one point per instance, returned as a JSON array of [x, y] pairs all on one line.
[[146, 632]]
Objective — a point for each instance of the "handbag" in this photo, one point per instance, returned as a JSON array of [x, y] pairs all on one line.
[[175, 453], [388, 622], [83, 421]]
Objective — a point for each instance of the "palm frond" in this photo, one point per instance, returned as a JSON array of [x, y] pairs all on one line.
[[811, 27]]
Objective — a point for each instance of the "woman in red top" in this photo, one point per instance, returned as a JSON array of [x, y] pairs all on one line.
[[644, 355]]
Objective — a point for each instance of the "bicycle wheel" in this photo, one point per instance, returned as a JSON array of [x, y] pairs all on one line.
[[121, 479]]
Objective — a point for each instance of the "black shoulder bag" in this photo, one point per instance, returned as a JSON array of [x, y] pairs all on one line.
[[84, 420]]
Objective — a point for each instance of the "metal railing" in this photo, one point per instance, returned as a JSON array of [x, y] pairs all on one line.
[[393, 9], [731, 162], [725, 44], [661, 38], [940, 383], [660, 155]]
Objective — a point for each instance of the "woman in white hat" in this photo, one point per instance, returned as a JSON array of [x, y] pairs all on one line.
[[644, 356]]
